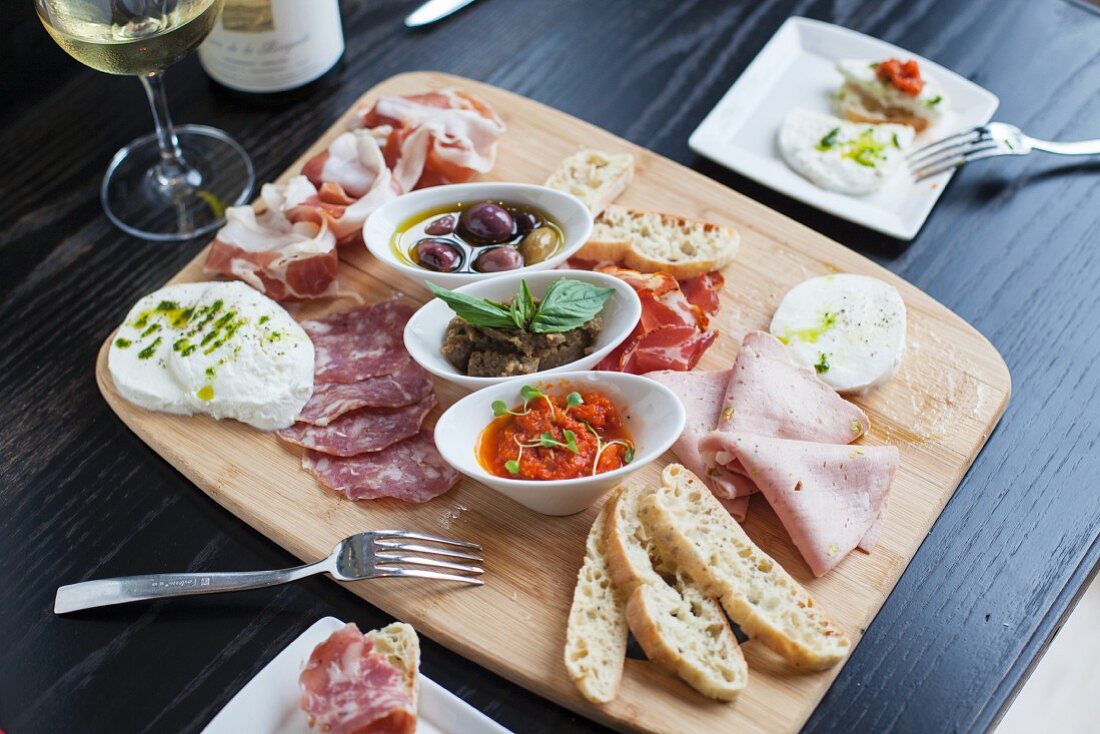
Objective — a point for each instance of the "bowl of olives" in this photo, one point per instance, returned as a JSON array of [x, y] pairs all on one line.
[[462, 233]]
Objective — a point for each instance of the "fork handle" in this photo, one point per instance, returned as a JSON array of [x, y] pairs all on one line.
[[1083, 147], [105, 592]]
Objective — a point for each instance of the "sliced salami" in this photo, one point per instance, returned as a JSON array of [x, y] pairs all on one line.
[[410, 384], [360, 343], [411, 470], [366, 429]]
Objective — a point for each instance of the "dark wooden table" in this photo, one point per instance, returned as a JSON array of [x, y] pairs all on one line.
[[1013, 246]]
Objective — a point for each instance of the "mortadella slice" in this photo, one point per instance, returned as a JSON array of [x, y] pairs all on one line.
[[827, 496], [701, 393]]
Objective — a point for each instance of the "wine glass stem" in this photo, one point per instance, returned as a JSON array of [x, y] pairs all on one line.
[[173, 172]]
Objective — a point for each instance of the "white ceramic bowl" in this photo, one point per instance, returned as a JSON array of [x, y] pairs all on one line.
[[567, 210], [425, 330], [652, 413]]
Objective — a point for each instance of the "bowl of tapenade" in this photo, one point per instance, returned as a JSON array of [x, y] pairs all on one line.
[[462, 233], [522, 324]]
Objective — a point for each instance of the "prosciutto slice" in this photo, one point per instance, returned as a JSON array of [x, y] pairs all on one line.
[[281, 259], [441, 137], [702, 291], [351, 180], [672, 333], [828, 496], [363, 430], [359, 343], [348, 688], [411, 470], [410, 384]]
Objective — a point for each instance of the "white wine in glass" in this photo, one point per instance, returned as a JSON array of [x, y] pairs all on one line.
[[175, 183]]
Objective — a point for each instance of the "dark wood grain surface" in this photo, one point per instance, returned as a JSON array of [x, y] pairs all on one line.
[[1013, 247]]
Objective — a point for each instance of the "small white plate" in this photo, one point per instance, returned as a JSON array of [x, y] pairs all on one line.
[[268, 704], [425, 331], [797, 69]]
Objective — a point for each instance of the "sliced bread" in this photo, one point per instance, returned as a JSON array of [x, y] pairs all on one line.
[[652, 242], [399, 643], [596, 178], [595, 639], [693, 531], [679, 628]]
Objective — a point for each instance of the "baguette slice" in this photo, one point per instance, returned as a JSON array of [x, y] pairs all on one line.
[[652, 242], [596, 178], [595, 639], [399, 643], [693, 530], [679, 628]]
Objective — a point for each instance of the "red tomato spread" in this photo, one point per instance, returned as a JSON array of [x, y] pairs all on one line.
[[905, 76], [555, 437]]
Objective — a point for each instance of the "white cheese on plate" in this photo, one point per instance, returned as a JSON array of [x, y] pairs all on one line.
[[219, 348], [849, 328], [847, 157]]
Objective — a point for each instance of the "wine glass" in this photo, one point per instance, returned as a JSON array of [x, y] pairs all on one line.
[[175, 183]]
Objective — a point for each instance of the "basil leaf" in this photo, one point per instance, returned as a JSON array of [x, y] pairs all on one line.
[[475, 311], [567, 305], [523, 306]]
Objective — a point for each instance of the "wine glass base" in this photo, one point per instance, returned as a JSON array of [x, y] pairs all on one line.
[[145, 205]]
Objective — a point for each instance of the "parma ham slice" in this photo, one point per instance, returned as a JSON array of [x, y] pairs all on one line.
[[441, 137], [361, 431], [359, 343], [349, 687], [828, 496], [410, 384], [351, 180], [702, 291], [411, 470], [281, 259]]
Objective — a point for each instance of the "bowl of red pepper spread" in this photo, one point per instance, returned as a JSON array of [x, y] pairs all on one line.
[[555, 436], [905, 76]]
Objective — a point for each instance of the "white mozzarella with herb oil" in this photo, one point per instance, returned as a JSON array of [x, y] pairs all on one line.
[[849, 328], [837, 155], [219, 348]]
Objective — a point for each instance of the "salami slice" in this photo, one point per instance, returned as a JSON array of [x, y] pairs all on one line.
[[360, 343], [410, 384], [367, 429], [411, 470]]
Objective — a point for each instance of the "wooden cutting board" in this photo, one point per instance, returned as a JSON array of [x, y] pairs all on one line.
[[948, 395]]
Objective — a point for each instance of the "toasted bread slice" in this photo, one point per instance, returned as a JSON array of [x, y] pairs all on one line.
[[595, 639], [596, 178], [399, 643], [652, 242], [679, 628], [692, 530]]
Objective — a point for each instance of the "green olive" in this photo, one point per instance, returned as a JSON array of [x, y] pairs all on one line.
[[539, 244]]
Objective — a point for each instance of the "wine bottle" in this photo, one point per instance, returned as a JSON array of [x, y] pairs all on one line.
[[266, 50]]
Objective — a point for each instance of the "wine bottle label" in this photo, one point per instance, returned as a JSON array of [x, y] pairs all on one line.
[[273, 45]]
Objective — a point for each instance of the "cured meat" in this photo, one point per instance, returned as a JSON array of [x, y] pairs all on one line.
[[410, 384], [349, 688], [738, 507], [281, 259], [671, 334], [701, 394], [363, 430], [828, 496], [411, 470], [769, 395], [702, 291], [351, 180], [436, 138], [360, 343]]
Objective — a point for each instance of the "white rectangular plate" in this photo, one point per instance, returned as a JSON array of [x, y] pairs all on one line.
[[797, 69], [268, 704]]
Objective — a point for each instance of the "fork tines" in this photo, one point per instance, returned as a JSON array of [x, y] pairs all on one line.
[[392, 554], [951, 152]]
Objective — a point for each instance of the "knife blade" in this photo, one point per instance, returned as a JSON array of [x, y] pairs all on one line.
[[432, 11]]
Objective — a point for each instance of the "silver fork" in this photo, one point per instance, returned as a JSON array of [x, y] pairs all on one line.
[[370, 555], [986, 141]]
